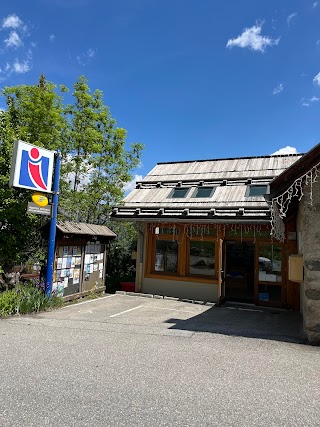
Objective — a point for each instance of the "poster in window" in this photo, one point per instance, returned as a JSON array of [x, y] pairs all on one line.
[[71, 272], [64, 263], [65, 282], [73, 262], [59, 263]]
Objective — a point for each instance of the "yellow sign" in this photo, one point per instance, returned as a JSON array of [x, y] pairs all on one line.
[[39, 199]]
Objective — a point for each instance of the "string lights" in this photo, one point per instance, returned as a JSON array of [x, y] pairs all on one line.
[[279, 205]]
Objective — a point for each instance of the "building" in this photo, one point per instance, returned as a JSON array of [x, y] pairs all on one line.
[[204, 231], [295, 208]]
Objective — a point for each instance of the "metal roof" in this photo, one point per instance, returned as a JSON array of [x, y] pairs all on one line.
[[81, 228]]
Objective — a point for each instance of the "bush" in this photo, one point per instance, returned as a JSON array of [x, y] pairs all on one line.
[[26, 299]]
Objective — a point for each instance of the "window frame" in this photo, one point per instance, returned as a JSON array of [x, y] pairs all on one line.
[[200, 239], [248, 189], [177, 189], [195, 196]]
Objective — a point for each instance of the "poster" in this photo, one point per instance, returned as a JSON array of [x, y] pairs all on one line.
[[95, 267], [69, 259], [65, 282], [64, 262], [100, 265], [76, 275], [65, 250], [71, 273], [87, 259], [78, 260], [59, 263], [60, 289], [73, 262]]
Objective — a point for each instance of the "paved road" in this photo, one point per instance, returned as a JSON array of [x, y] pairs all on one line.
[[130, 361]]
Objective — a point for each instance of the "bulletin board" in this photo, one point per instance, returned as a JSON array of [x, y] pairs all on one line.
[[68, 270]]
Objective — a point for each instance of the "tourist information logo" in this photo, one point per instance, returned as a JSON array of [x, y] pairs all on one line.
[[32, 167]]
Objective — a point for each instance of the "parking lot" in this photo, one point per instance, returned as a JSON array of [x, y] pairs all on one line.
[[135, 361]]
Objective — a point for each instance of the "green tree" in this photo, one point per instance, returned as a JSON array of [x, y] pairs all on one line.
[[34, 115], [95, 161]]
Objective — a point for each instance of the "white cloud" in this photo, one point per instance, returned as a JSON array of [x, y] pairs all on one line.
[[20, 67], [290, 17], [285, 150], [252, 39], [129, 186], [316, 79], [305, 102], [86, 57], [12, 21], [315, 4], [13, 40], [52, 37], [278, 89]]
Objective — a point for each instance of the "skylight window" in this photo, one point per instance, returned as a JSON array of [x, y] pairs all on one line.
[[202, 192], [179, 193], [256, 190]]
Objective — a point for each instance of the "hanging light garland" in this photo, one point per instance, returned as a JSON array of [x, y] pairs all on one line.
[[279, 205], [202, 231]]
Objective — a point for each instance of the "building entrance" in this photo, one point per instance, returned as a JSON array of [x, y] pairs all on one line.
[[239, 259]]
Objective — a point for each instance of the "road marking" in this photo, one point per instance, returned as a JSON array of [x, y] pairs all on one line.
[[176, 309], [86, 302], [126, 311]]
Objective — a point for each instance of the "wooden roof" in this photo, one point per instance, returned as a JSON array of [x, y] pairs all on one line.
[[152, 199]]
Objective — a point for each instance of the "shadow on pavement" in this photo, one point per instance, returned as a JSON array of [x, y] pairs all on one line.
[[244, 321]]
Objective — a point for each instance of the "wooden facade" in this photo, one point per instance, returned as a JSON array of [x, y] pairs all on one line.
[[205, 232], [242, 271]]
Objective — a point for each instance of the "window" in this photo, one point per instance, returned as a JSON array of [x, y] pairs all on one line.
[[256, 190], [201, 257], [166, 259], [179, 193], [204, 192], [270, 273]]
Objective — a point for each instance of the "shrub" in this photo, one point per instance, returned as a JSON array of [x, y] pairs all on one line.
[[27, 299]]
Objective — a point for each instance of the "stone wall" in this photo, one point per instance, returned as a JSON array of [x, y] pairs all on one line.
[[308, 223]]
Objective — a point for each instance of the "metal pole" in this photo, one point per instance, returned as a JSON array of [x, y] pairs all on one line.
[[53, 225]]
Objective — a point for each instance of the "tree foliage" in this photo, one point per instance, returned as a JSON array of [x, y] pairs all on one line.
[[96, 161]]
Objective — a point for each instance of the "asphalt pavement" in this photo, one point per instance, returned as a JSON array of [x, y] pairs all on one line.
[[133, 361]]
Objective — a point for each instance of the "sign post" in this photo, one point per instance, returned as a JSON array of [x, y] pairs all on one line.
[[32, 169], [53, 224]]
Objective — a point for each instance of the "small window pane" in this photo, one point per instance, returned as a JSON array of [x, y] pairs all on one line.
[[179, 193], [202, 257], [204, 192], [270, 263], [257, 190], [166, 256]]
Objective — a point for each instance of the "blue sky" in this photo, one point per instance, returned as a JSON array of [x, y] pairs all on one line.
[[190, 79]]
